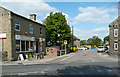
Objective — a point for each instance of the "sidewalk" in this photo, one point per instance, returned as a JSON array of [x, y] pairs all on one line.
[[34, 61]]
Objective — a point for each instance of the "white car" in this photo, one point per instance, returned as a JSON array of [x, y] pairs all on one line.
[[101, 49], [81, 48]]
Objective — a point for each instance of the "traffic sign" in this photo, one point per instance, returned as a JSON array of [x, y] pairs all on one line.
[[65, 42]]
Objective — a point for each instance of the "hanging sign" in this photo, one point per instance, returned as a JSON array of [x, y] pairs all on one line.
[[43, 40], [40, 40]]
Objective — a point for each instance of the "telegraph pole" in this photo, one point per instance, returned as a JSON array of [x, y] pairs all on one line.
[[72, 37]]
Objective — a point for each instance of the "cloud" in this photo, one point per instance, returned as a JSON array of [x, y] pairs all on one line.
[[84, 35], [96, 15], [26, 8]]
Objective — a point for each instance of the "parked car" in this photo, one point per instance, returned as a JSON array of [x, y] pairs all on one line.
[[81, 48], [101, 49], [106, 48], [86, 47]]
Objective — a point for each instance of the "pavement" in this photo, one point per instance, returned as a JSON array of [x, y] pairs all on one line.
[[34, 61], [85, 56]]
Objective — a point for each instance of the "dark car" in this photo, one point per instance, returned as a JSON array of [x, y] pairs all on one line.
[[106, 48]]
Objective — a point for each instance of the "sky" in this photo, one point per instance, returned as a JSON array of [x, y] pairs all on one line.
[[88, 18]]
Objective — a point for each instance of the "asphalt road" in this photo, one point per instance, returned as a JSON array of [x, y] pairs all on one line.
[[83, 62]]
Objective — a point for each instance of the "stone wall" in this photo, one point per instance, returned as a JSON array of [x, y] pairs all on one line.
[[114, 25], [6, 28]]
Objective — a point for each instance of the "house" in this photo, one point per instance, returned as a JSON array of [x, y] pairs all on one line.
[[24, 36], [76, 41], [114, 31]]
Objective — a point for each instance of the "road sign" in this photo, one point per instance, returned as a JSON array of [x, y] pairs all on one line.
[[3, 36], [65, 42]]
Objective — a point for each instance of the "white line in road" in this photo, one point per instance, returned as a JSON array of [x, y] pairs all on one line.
[[66, 58]]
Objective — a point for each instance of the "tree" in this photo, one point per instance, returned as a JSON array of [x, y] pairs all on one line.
[[57, 24], [94, 41], [83, 42], [106, 38]]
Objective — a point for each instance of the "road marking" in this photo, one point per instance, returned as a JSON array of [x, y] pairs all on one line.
[[66, 58]]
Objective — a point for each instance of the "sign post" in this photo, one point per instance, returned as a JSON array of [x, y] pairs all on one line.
[[65, 42], [3, 36]]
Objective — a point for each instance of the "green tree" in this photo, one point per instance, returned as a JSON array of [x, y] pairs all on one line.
[[83, 42], [56, 23], [106, 38], [96, 41]]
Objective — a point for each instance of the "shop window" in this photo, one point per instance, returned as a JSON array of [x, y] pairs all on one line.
[[17, 45], [27, 45], [31, 29], [17, 25], [22, 45], [115, 32], [116, 46], [31, 45], [40, 31]]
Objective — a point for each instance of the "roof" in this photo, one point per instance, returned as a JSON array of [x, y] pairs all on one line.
[[24, 17], [75, 38], [116, 20]]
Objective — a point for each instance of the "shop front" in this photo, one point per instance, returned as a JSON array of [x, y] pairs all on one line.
[[25, 46]]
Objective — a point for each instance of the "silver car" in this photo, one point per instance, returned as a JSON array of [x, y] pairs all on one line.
[[81, 48], [101, 49]]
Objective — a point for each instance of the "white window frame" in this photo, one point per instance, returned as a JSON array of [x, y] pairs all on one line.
[[115, 48], [17, 24], [31, 29], [115, 35]]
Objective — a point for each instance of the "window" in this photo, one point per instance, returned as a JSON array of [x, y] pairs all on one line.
[[17, 25], [31, 29], [22, 45], [115, 32], [27, 45], [116, 46], [40, 31], [17, 45]]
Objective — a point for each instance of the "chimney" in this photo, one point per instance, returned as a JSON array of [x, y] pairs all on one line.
[[33, 17]]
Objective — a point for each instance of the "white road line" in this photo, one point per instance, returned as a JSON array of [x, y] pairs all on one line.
[[66, 58]]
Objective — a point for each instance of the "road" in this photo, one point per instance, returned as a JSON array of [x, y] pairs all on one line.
[[82, 62]]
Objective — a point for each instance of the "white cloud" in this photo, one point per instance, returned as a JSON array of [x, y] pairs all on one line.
[[101, 29], [95, 15], [26, 8], [84, 35]]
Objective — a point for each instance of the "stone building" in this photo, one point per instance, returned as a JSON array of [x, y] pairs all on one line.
[[76, 41], [114, 31], [24, 35]]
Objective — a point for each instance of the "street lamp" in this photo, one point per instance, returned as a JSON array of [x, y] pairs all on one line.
[[72, 34], [59, 41]]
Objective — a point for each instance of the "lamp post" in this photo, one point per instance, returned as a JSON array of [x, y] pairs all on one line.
[[59, 41], [72, 34]]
